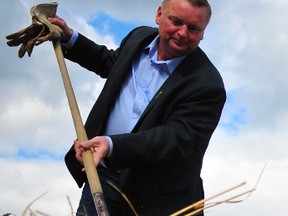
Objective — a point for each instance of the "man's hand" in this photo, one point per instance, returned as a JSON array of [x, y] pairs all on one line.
[[99, 146], [67, 31]]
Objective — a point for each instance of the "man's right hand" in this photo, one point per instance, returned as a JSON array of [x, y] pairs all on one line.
[[99, 146]]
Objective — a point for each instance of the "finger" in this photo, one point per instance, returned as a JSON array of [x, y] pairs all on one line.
[[87, 144], [96, 158], [78, 156], [76, 145], [56, 20], [78, 151]]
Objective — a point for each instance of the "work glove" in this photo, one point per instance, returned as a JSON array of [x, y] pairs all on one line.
[[39, 31]]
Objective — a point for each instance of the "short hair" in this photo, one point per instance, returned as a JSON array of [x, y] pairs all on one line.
[[197, 3]]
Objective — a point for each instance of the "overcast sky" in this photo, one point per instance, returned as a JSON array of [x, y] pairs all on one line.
[[246, 40]]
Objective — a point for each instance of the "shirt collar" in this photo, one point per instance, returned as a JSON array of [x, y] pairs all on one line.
[[171, 64]]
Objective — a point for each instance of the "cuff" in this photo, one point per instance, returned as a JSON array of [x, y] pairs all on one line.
[[71, 42], [110, 146]]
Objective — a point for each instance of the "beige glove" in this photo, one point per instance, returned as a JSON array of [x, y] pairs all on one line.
[[39, 31]]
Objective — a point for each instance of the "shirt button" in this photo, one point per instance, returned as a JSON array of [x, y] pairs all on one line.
[[135, 117]]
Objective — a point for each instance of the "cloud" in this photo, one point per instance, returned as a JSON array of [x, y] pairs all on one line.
[[252, 40]]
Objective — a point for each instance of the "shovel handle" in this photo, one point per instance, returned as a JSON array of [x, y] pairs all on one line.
[[88, 160]]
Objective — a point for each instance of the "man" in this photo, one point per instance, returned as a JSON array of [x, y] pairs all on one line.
[[151, 125]]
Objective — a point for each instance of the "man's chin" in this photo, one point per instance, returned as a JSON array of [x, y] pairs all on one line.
[[179, 48], [180, 52]]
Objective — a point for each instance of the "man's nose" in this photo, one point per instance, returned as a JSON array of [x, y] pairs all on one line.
[[183, 31]]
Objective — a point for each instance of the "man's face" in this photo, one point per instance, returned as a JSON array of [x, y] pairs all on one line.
[[181, 28]]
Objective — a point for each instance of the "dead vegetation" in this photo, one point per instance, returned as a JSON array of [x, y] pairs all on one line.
[[191, 210], [28, 211]]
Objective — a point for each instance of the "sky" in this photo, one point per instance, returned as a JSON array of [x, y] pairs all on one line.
[[246, 40]]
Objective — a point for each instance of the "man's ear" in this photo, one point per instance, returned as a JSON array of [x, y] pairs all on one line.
[[158, 15], [202, 37]]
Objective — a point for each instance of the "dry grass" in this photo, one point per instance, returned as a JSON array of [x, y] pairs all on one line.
[[204, 204], [194, 209], [28, 211], [191, 210]]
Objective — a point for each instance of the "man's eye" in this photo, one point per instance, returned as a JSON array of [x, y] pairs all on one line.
[[194, 29], [176, 22]]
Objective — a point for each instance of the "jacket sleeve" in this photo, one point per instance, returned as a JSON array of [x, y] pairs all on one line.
[[94, 57]]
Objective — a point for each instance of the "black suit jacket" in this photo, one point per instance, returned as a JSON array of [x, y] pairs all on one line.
[[161, 159]]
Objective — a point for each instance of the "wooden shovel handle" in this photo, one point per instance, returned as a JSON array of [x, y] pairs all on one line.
[[88, 160]]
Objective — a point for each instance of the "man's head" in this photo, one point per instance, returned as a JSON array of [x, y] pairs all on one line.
[[181, 26]]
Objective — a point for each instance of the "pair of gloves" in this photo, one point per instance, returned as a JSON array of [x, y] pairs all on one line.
[[39, 31]]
